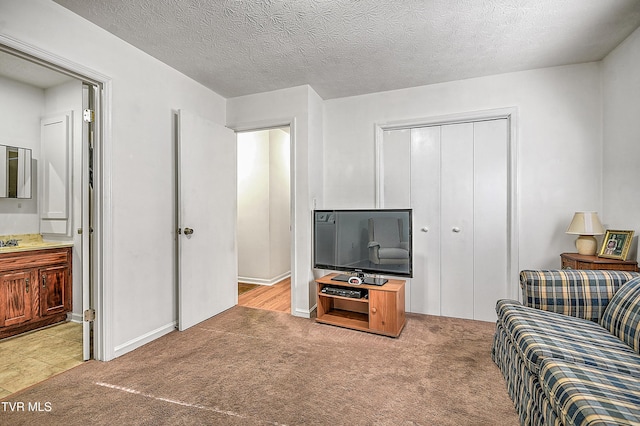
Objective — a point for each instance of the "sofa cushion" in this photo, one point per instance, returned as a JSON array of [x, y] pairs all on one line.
[[578, 293], [622, 316], [582, 395], [541, 334]]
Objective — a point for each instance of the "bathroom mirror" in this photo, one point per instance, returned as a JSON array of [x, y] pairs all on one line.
[[15, 172]]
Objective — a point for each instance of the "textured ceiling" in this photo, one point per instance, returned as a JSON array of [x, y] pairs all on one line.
[[351, 47]]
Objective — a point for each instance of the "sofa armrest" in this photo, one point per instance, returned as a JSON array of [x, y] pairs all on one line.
[[579, 293]]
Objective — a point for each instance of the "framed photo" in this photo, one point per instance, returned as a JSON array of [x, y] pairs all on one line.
[[616, 244]]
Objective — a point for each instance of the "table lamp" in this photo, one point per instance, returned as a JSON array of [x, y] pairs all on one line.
[[586, 225]]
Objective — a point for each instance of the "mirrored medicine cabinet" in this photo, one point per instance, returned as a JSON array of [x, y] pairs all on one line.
[[15, 172]]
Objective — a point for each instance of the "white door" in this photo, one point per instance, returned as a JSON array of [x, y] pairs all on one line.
[[83, 239], [458, 191], [456, 218], [491, 217], [207, 254]]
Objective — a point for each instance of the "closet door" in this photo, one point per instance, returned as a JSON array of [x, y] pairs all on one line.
[[425, 202], [491, 218], [459, 194], [456, 216]]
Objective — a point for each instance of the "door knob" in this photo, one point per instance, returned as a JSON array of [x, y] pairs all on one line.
[[424, 229], [188, 231], [455, 229]]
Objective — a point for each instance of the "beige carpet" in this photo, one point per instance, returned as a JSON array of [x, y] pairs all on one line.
[[253, 367]]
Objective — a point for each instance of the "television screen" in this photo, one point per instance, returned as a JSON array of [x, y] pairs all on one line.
[[377, 241]]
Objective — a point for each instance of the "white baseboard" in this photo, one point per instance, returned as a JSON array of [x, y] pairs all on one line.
[[264, 281], [303, 313], [75, 317], [144, 339]]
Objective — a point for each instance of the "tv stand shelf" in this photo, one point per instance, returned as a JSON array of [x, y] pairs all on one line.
[[381, 313]]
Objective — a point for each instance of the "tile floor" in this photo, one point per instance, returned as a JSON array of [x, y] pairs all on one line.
[[33, 357]]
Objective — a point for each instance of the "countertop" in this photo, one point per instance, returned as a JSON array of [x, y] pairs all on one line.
[[27, 242]]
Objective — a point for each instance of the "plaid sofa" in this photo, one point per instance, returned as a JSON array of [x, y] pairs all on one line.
[[570, 353]]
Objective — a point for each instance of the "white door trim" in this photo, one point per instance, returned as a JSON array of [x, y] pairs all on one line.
[[273, 124], [509, 113], [103, 253]]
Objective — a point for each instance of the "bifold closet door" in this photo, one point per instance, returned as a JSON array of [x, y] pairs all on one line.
[[425, 202], [491, 217], [455, 178], [459, 187], [473, 214], [456, 218]]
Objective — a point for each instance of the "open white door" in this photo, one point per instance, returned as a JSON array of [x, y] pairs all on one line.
[[89, 93], [207, 253]]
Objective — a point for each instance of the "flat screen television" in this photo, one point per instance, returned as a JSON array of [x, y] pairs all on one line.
[[375, 241]]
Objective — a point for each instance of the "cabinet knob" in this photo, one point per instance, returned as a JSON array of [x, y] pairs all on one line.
[[374, 310], [424, 229], [455, 229]]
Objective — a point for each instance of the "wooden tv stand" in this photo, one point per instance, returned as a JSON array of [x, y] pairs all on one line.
[[382, 312]]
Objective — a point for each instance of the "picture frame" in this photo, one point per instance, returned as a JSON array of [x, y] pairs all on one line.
[[616, 244]]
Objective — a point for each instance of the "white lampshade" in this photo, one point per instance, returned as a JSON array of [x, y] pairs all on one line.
[[586, 225]]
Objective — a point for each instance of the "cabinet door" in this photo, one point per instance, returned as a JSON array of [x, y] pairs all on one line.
[[16, 289], [55, 294], [383, 311]]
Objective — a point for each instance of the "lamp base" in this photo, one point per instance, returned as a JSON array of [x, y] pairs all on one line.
[[586, 244]]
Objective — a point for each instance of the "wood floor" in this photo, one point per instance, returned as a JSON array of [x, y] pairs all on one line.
[[271, 298]]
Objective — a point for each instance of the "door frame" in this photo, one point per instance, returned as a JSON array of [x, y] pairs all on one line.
[[508, 113], [102, 232], [274, 124]]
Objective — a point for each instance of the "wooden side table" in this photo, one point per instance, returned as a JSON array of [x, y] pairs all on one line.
[[582, 261]]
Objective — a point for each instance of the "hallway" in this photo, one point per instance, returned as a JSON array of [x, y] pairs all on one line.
[[272, 298]]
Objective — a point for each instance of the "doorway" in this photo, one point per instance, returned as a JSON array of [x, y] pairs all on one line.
[[264, 218], [53, 89]]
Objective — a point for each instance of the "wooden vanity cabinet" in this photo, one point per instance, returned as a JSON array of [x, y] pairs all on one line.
[[35, 289]]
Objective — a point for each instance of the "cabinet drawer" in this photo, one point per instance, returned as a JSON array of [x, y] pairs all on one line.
[[616, 267], [34, 258], [569, 264]]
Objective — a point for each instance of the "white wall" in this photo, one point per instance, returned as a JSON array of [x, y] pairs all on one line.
[[621, 178], [279, 204], [303, 107], [145, 93], [21, 108], [558, 141], [253, 206]]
